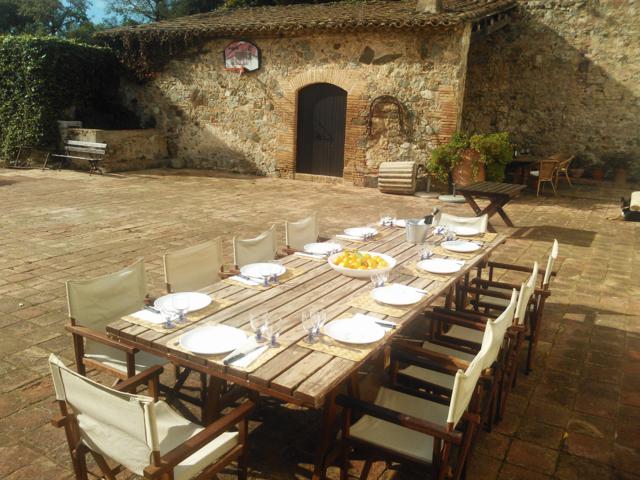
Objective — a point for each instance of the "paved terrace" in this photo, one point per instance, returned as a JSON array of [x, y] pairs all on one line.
[[577, 416]]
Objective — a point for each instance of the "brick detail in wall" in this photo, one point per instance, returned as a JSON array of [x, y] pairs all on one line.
[[286, 108]]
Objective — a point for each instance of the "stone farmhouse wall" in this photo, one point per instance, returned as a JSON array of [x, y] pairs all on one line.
[[214, 118], [564, 76], [126, 149]]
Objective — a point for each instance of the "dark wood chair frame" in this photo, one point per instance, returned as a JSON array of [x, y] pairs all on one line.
[[483, 287], [445, 438], [161, 466], [80, 334]]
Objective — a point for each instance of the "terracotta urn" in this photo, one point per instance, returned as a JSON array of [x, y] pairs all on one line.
[[462, 173]]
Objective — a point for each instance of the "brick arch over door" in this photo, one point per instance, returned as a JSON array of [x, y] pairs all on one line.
[[354, 153]]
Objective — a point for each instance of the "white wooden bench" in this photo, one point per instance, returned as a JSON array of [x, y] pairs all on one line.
[[91, 152]]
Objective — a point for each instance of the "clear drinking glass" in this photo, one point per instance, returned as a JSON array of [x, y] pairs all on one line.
[[387, 218], [308, 322], [272, 331], [169, 315], [181, 306], [258, 321], [379, 279]]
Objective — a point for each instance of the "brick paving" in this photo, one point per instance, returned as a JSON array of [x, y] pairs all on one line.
[[576, 416]]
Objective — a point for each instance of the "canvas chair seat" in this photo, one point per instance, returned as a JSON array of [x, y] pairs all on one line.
[[430, 376], [117, 359], [491, 342], [126, 427], [173, 430], [464, 333], [397, 438]]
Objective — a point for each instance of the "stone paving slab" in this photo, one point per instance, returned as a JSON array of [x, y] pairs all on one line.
[[576, 416]]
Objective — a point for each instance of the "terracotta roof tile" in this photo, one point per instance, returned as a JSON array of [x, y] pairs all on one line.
[[337, 16]]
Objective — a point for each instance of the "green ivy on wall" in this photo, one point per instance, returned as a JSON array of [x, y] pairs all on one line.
[[45, 79]]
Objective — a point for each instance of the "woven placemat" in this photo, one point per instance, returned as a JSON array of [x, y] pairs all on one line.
[[285, 277], [352, 352], [215, 306], [267, 355], [414, 271], [367, 302]]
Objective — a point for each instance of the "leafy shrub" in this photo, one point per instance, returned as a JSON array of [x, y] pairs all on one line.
[[45, 79]]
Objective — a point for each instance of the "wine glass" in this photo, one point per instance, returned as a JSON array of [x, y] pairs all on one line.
[[320, 318], [181, 304], [272, 329], [258, 321], [309, 325], [169, 315]]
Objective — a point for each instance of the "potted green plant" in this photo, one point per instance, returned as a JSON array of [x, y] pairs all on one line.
[[496, 152], [465, 160]]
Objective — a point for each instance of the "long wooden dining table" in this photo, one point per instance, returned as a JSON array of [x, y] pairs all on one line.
[[303, 376]]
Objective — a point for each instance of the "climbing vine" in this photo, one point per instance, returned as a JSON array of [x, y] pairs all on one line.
[[45, 79]]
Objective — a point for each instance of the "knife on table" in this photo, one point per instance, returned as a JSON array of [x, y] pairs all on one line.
[[240, 353]]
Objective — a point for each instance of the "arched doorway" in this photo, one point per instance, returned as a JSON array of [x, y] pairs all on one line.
[[322, 109]]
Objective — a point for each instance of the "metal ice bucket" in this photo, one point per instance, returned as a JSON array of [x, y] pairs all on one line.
[[416, 231]]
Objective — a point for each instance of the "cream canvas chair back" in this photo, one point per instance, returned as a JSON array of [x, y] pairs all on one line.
[[96, 302], [526, 291], [464, 386], [298, 234], [448, 220], [193, 268], [491, 343], [118, 425], [259, 249], [553, 255]]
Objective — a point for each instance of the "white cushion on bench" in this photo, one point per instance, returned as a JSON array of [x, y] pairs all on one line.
[[634, 203]]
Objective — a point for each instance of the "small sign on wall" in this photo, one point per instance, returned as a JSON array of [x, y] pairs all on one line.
[[242, 55]]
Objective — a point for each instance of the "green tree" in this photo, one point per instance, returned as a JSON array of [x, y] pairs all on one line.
[[43, 17]]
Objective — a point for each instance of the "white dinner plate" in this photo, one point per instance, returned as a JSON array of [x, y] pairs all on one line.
[[213, 339], [440, 265], [402, 223], [466, 231], [396, 294], [354, 330], [461, 246], [323, 248], [261, 270], [197, 301], [360, 231]]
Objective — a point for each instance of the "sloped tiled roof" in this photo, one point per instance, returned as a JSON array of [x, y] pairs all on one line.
[[336, 16]]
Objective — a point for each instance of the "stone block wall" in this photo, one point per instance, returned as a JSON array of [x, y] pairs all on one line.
[[218, 119], [126, 149], [564, 76]]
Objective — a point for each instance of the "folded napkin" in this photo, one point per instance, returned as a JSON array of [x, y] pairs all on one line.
[[246, 281], [250, 352], [149, 316]]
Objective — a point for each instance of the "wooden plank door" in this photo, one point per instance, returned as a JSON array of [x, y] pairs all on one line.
[[322, 111]]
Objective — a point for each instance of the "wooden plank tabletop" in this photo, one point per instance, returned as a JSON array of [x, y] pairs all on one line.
[[298, 374], [487, 189]]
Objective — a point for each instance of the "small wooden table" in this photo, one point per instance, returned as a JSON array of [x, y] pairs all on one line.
[[299, 375], [498, 194]]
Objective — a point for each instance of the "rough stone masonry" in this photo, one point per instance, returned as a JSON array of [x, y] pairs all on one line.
[[563, 76]]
